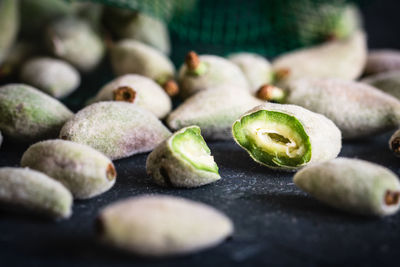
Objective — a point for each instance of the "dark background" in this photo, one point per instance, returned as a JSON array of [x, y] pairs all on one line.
[[275, 223]]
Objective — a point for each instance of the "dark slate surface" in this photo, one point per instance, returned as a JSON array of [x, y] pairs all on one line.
[[275, 223]]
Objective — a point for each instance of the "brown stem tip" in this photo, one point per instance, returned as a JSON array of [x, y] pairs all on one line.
[[171, 88], [392, 197], [192, 61], [281, 74], [271, 93], [111, 173], [124, 93], [395, 145]]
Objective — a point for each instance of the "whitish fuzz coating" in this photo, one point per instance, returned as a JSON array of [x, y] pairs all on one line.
[[117, 129], [356, 108], [54, 77], [256, 68], [170, 165], [9, 25], [325, 141], [135, 25], [218, 71], [75, 41], [132, 57], [80, 168], [382, 60], [148, 94], [213, 110], [352, 185], [388, 82], [27, 115], [335, 59], [160, 226], [34, 191], [394, 143]]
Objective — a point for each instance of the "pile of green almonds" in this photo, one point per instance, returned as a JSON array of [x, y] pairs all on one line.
[[289, 114]]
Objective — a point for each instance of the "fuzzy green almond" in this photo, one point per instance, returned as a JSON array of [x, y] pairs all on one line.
[[394, 143], [286, 137], [382, 60], [213, 110], [388, 82], [356, 108], [80, 168], [183, 160], [34, 191], [206, 71], [28, 115], [117, 129], [139, 90], [162, 226], [54, 77], [74, 41], [9, 25], [135, 25], [335, 59], [256, 68], [133, 57], [352, 185]]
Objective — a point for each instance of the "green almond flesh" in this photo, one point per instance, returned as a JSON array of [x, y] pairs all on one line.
[[273, 138], [191, 146]]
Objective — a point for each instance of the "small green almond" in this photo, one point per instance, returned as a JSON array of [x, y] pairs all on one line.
[[9, 26], [80, 168], [382, 60], [388, 82]]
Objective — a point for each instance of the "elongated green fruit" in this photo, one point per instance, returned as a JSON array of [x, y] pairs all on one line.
[[54, 77], [286, 136], [159, 226], [256, 68], [335, 59], [132, 57], [34, 191], [139, 90], [183, 160], [117, 129], [73, 40], [213, 110], [27, 114], [206, 71], [80, 168], [356, 108], [382, 60], [9, 25], [352, 185], [135, 25], [389, 82], [394, 143]]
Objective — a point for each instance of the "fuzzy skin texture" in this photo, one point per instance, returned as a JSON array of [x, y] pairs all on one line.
[[34, 191], [256, 68], [220, 71], [324, 136], [117, 129], [168, 168], [73, 40], [133, 57], [27, 115], [160, 226], [382, 60], [54, 77], [80, 168], [389, 82], [213, 110], [357, 109], [9, 25], [396, 136], [136, 25], [336, 59], [149, 95], [352, 185]]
